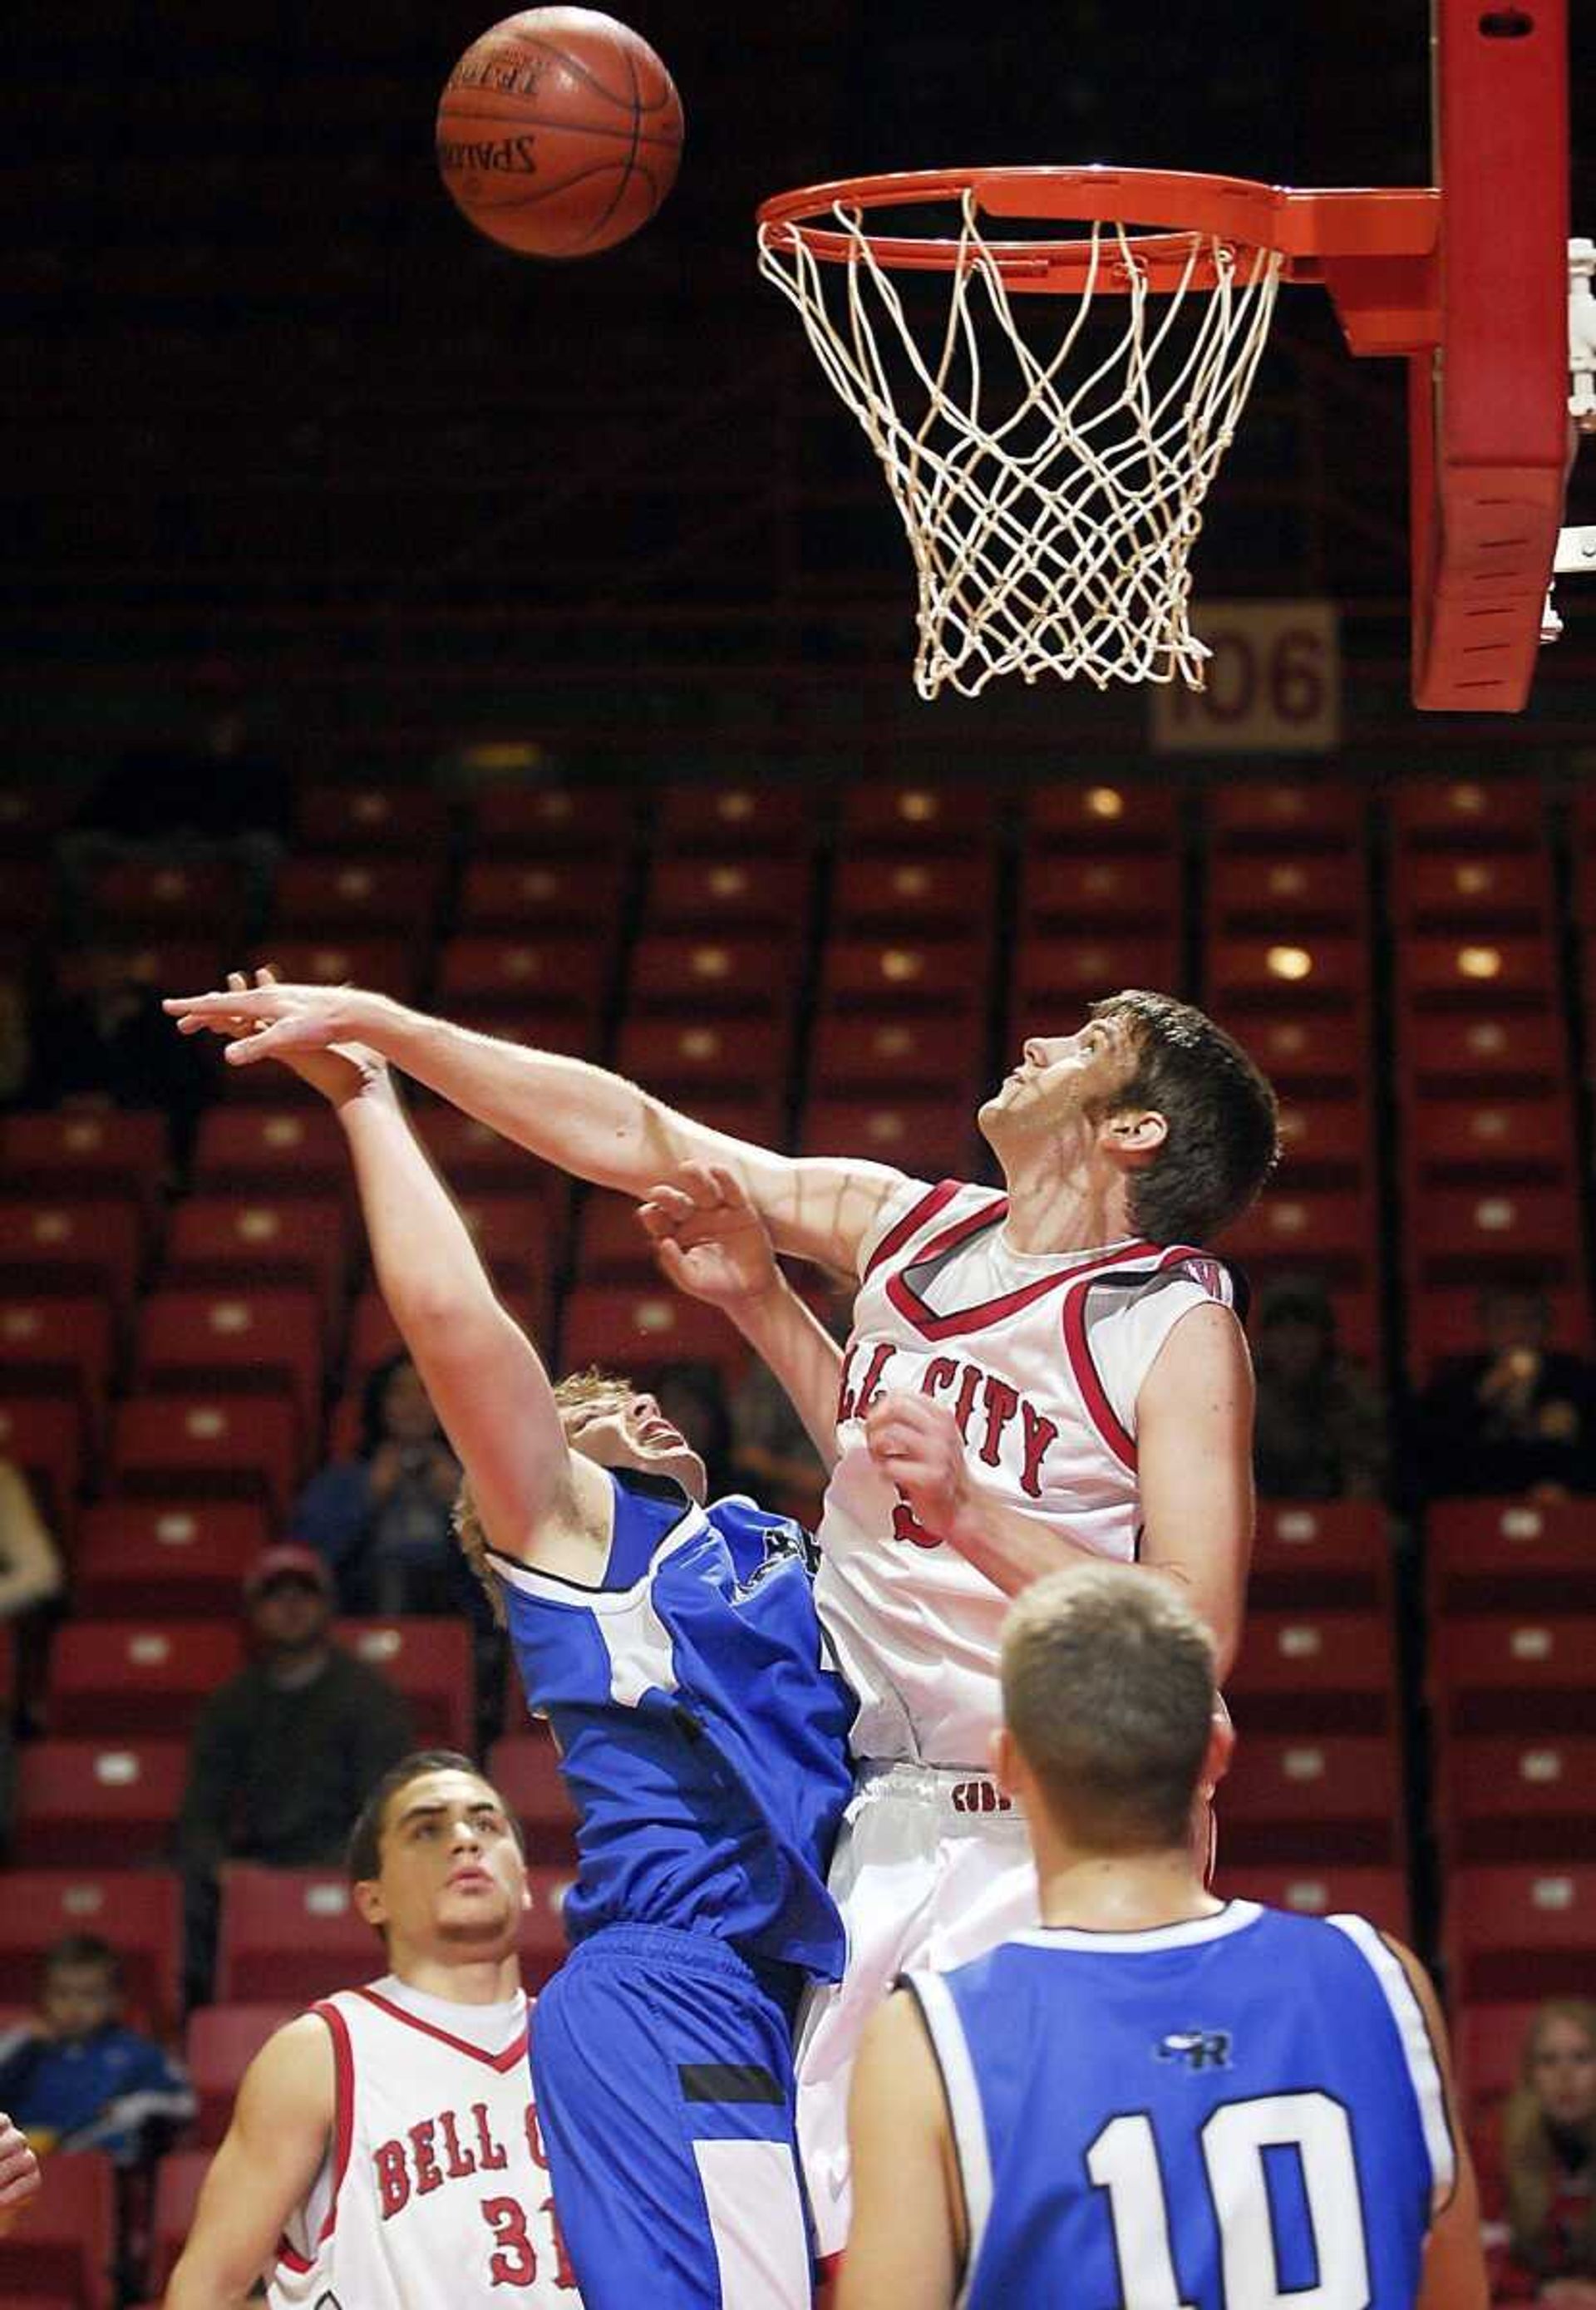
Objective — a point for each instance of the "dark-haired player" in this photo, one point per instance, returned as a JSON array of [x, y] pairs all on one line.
[[1152, 2098], [1049, 1374], [384, 2152]]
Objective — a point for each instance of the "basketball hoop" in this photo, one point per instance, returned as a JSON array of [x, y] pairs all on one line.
[[1051, 473]]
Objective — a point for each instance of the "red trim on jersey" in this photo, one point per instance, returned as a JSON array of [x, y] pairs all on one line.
[[516, 2051], [914, 1310], [924, 1211], [1093, 1394], [343, 2124]]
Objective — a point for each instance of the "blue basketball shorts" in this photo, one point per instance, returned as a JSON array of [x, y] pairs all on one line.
[[663, 2072]]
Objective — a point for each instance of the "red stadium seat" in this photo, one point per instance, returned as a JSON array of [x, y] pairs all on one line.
[[1284, 894], [1445, 892], [919, 894], [429, 1662], [1314, 1053], [1470, 1235], [374, 1338], [532, 896], [1054, 979], [1325, 1141], [931, 1138], [905, 812], [1515, 1672], [682, 1058], [63, 2246], [108, 1679], [507, 972], [1488, 2044], [1500, 1142], [1063, 893], [161, 963], [140, 1910], [1335, 1889], [62, 1246], [329, 896], [72, 1151], [1528, 1797], [1444, 1320], [130, 896], [389, 965], [1467, 814], [1307, 971], [45, 1436], [515, 1235], [248, 1242], [218, 2045], [1313, 1799], [851, 1053], [1306, 1671], [178, 2179], [1108, 815], [634, 1331], [57, 1347], [611, 1245], [207, 1444], [1512, 970], [524, 1768], [1510, 1556], [1332, 1230], [171, 1557], [754, 814], [80, 1801], [516, 821], [289, 1936], [707, 895], [474, 1159], [1528, 1931], [1311, 1554], [270, 1150], [252, 1342], [1483, 1052], [551, 1026], [1306, 814], [364, 819], [685, 972]]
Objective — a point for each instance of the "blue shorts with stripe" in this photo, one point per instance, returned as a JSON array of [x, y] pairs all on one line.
[[663, 2071]]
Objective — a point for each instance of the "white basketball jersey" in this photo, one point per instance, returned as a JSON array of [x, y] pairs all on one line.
[[1040, 1360], [436, 2189]]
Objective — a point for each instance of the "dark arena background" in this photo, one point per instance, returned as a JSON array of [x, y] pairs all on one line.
[[533, 641]]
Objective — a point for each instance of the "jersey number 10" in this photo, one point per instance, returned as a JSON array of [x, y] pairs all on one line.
[[1123, 2160]]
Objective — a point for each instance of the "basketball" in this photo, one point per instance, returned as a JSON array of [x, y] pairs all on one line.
[[558, 132]]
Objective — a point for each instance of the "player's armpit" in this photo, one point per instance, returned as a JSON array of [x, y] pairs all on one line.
[[1195, 1466], [1455, 2272], [905, 2241], [282, 2124]]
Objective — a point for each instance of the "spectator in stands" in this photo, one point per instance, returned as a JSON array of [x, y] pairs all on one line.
[[284, 1754], [1545, 2248], [29, 1567], [383, 1519], [1518, 1418], [75, 2077], [1320, 1431], [691, 1396]]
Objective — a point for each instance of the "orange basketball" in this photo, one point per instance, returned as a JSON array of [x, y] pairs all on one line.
[[558, 132]]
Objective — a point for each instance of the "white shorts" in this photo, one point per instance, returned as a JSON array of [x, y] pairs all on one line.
[[932, 1867]]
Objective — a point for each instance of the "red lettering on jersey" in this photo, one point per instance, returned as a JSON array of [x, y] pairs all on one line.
[[565, 2277], [392, 2182], [534, 2139], [965, 1403], [939, 1372], [514, 2261], [429, 2174], [906, 1525], [491, 2155], [1038, 1433], [461, 2161], [870, 1386], [1003, 1401]]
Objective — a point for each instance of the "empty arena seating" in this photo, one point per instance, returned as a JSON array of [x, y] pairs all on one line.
[[321, 895], [62, 1347], [171, 1558], [218, 2045], [1315, 1554], [1512, 1932], [1312, 1799], [207, 1444], [178, 2179], [250, 1340], [635, 1330], [1315, 1888], [1513, 1673], [281, 1241], [112, 1678], [1512, 1556], [525, 1767], [1321, 1671], [547, 894], [430, 1661], [1530, 1796], [81, 1801], [262, 1149]]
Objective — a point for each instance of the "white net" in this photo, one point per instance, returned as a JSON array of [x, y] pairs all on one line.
[[1052, 497]]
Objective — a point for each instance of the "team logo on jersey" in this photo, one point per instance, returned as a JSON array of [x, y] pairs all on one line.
[[1198, 2049]]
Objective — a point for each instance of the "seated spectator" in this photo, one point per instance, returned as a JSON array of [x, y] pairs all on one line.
[[1544, 2245], [1320, 1431], [384, 1520], [29, 1567], [1518, 1418], [283, 1755], [76, 2077], [691, 1396]]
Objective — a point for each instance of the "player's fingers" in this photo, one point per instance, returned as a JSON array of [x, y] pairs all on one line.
[[728, 1187], [672, 1260], [670, 1204], [263, 1040]]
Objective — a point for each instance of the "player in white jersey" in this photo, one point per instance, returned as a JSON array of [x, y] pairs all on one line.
[[384, 2152], [1146, 1129]]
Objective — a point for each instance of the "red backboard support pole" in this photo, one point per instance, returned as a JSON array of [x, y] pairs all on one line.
[[1489, 409]]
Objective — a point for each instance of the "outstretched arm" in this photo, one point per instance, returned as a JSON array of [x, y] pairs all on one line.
[[588, 1122], [713, 1244], [262, 2171]]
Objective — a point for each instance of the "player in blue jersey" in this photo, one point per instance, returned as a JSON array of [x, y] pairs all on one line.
[[675, 1651], [1154, 2100]]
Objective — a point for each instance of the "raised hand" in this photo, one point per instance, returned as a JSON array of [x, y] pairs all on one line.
[[281, 1019], [917, 1445], [339, 1072], [19, 2167], [707, 1237]]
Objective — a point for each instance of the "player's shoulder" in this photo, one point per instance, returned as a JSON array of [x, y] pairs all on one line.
[[910, 1206], [1186, 1269]]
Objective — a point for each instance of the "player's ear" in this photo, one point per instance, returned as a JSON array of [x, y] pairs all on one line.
[[1221, 1745], [1005, 1756], [1134, 1134], [366, 1896]]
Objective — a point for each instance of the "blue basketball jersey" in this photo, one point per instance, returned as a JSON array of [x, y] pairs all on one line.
[[1232, 2114], [703, 1731]]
